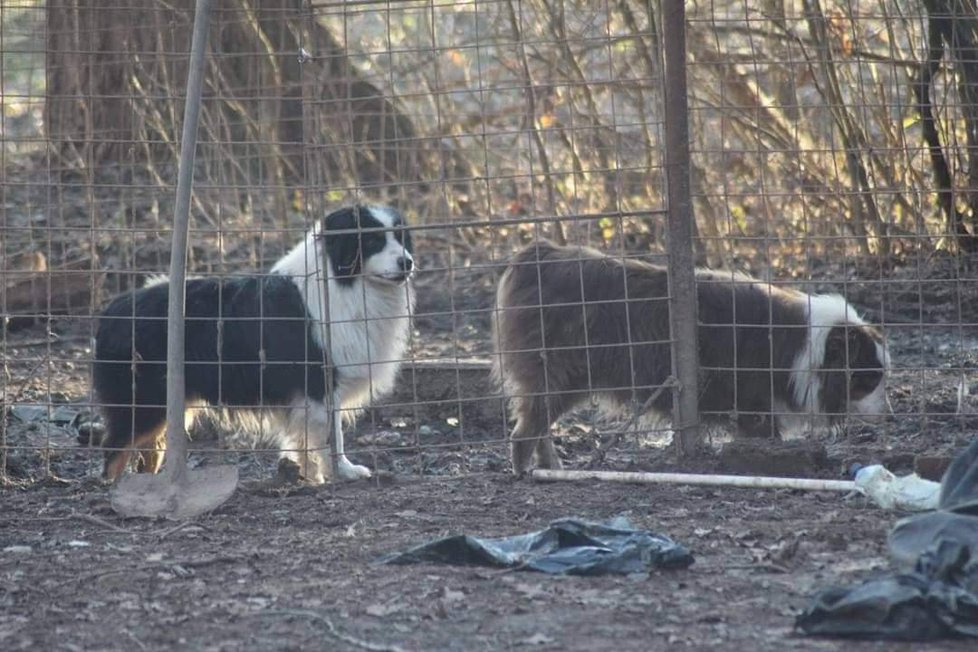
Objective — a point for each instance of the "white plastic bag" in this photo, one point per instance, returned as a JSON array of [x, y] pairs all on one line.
[[909, 493]]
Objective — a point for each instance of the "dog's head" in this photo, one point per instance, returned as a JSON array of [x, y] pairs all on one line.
[[842, 363], [372, 242], [853, 369]]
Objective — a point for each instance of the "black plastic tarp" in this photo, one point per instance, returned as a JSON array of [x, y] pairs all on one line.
[[567, 546], [938, 598], [956, 518]]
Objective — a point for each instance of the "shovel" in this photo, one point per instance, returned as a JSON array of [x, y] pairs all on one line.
[[178, 492]]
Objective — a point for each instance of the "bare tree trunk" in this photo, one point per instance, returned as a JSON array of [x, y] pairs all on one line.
[[84, 109], [784, 80], [863, 208], [953, 25], [114, 90]]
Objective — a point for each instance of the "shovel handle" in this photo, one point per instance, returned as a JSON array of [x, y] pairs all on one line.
[[176, 435]]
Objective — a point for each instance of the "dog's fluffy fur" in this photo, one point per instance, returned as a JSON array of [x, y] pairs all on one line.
[[255, 345], [571, 323]]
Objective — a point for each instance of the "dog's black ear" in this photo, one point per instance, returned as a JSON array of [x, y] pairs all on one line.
[[865, 363], [834, 376], [852, 366], [835, 350], [856, 343], [845, 346], [341, 238]]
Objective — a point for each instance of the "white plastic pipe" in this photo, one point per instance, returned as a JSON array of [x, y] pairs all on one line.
[[746, 481]]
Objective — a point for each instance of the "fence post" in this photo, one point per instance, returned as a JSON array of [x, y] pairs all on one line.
[[682, 274]]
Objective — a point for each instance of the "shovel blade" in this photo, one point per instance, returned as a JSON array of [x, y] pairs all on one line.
[[199, 491]]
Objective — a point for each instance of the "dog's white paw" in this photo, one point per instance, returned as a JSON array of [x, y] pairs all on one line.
[[350, 471]]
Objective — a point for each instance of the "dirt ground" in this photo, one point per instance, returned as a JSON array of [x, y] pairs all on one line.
[[296, 568], [299, 571]]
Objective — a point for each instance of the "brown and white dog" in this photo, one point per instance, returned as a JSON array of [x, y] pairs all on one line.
[[571, 323]]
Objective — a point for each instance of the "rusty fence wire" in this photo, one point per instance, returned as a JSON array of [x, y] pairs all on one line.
[[829, 151]]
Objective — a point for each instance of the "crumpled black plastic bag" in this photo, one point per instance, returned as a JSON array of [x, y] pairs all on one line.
[[939, 597], [956, 518], [937, 600], [568, 547]]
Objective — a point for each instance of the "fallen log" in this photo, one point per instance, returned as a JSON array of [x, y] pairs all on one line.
[[30, 291]]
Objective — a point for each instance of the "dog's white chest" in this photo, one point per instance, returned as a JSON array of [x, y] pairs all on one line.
[[368, 339]]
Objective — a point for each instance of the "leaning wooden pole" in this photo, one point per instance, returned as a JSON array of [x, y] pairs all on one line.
[[176, 435], [179, 492]]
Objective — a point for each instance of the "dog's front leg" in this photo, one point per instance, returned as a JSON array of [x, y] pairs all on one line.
[[346, 469]]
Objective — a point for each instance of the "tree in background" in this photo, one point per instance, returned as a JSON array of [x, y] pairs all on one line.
[[952, 25], [278, 86]]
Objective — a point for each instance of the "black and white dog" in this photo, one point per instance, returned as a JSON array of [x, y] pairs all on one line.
[[572, 323], [255, 345]]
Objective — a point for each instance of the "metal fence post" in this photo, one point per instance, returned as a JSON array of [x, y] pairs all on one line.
[[682, 274]]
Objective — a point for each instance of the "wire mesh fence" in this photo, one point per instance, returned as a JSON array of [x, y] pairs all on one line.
[[830, 153]]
